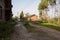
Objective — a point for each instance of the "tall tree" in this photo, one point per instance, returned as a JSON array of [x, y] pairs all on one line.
[[52, 3], [21, 15], [57, 14], [43, 5]]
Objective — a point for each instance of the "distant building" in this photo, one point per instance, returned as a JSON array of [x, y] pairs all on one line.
[[32, 17], [5, 10]]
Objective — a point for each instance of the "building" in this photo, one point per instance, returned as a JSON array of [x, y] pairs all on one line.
[[32, 17], [5, 10]]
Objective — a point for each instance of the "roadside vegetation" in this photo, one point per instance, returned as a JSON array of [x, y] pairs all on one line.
[[44, 18], [25, 21], [53, 26], [29, 28], [6, 30], [50, 25]]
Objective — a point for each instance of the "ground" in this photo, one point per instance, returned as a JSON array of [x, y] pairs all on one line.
[[40, 33]]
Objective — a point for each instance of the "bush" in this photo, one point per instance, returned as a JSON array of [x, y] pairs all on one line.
[[28, 27], [36, 22], [26, 22], [6, 28]]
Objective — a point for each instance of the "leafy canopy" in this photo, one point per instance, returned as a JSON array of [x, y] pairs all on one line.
[[43, 5], [52, 2], [21, 15]]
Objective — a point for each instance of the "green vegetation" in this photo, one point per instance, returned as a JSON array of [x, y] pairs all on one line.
[[52, 2], [29, 28], [6, 29], [43, 9], [50, 25], [21, 16], [45, 19], [15, 18], [42, 5]]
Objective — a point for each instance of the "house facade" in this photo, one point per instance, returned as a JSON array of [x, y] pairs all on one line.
[[5, 10], [32, 17]]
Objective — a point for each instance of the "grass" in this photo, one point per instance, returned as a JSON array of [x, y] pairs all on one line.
[[50, 25], [29, 28], [6, 29]]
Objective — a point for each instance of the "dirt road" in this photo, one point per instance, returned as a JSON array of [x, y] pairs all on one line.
[[49, 31], [40, 33]]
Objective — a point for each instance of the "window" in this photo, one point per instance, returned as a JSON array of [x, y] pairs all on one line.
[[0, 12]]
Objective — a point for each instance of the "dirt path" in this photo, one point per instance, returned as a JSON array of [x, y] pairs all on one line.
[[20, 32], [49, 31], [40, 33]]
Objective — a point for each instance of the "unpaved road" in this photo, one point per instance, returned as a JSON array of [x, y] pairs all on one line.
[[49, 31], [40, 33]]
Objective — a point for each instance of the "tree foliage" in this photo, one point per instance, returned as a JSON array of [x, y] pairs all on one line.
[[15, 18], [52, 2], [21, 15], [40, 12], [43, 5]]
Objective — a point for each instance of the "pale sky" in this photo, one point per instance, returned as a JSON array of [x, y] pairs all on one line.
[[28, 6]]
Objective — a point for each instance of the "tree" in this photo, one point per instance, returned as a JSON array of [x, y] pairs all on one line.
[[52, 3], [15, 18], [21, 15], [42, 7], [40, 15], [57, 14], [27, 14]]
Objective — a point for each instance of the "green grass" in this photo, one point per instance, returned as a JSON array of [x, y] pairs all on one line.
[[29, 28], [50, 25]]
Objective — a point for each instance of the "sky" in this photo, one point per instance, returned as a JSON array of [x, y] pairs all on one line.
[[27, 6]]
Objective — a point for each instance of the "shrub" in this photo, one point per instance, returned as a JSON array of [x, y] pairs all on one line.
[[26, 22], [6, 28]]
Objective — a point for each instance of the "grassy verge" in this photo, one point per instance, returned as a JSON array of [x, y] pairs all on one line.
[[50, 25], [6, 29], [29, 28]]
